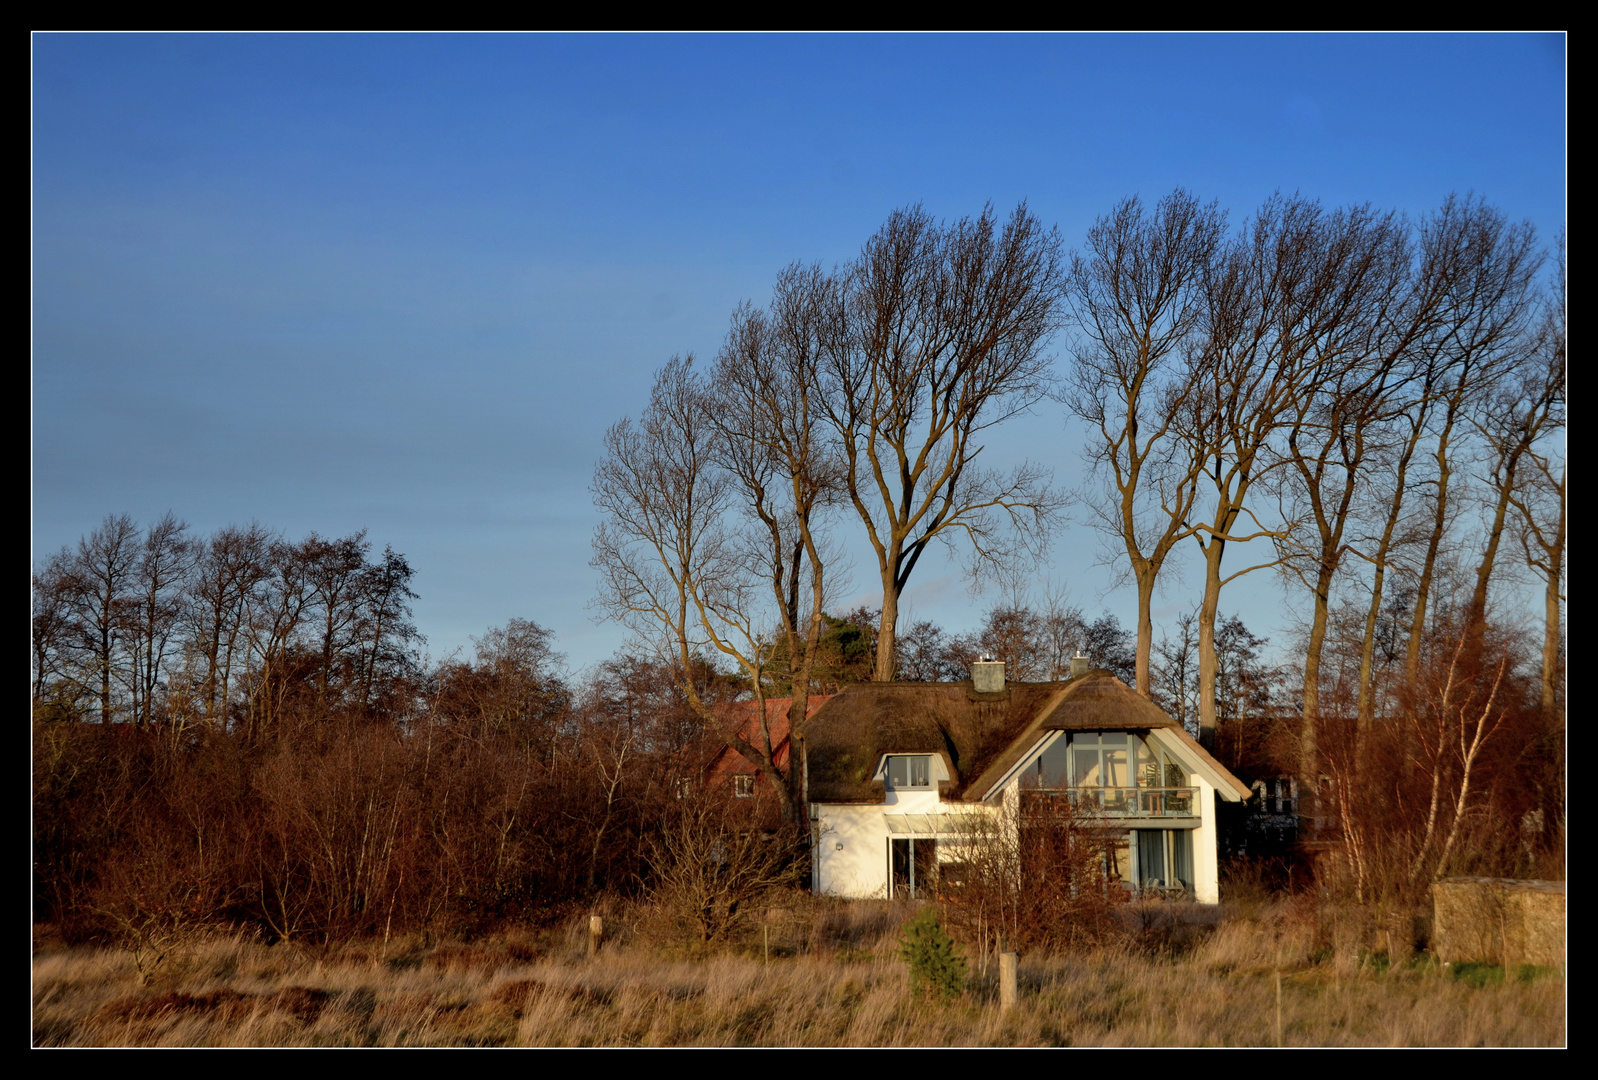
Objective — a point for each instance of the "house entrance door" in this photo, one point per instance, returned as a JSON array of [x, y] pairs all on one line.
[[912, 866]]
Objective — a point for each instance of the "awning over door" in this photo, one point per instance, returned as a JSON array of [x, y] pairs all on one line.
[[932, 824]]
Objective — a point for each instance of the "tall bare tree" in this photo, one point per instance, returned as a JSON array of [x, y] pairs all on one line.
[[1541, 503], [103, 575], [232, 568], [675, 566], [1137, 295], [58, 687], [1336, 418], [160, 583], [385, 632], [1484, 268], [1525, 412], [766, 403], [1543, 537], [940, 337], [1275, 291]]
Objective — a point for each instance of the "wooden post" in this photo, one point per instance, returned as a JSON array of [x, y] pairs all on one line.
[[596, 932], [1278, 993], [765, 933], [1007, 994]]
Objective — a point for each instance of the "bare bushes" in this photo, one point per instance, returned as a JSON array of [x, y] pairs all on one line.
[[1464, 775], [346, 830], [1037, 874], [716, 859]]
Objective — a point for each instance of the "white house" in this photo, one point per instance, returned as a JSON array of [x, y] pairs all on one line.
[[893, 773]]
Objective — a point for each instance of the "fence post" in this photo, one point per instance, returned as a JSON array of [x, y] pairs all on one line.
[[1007, 993], [596, 931]]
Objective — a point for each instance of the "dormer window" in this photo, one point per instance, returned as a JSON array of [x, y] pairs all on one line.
[[743, 785], [909, 771]]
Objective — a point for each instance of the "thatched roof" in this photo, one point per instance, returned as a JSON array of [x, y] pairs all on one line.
[[979, 736]]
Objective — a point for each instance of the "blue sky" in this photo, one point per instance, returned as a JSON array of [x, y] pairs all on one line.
[[405, 282]]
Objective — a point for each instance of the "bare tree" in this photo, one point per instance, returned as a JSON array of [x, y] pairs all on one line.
[[335, 577], [766, 403], [675, 566], [1484, 269], [1451, 717], [58, 687], [1137, 295], [1527, 410], [103, 575], [1336, 420], [938, 336], [1176, 676], [386, 634], [928, 654], [232, 567], [1540, 502], [161, 580], [1277, 297], [278, 609]]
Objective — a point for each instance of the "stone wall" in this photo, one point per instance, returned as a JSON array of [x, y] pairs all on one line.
[[1499, 921]]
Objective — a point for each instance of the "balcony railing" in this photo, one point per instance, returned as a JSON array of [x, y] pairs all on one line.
[[1128, 802]]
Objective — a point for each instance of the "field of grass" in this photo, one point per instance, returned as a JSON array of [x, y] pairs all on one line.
[[833, 978]]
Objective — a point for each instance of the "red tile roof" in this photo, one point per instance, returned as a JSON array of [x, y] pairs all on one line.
[[728, 761]]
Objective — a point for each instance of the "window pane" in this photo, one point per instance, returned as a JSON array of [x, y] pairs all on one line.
[[898, 772], [1150, 858], [926, 865], [900, 867], [1054, 768], [1084, 766], [1118, 860], [1115, 773], [1182, 858], [920, 772]]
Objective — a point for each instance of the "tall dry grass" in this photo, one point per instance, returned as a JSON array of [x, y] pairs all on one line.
[[833, 979]]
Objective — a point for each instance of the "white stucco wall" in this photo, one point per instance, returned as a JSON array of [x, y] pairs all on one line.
[[1206, 863], [859, 867]]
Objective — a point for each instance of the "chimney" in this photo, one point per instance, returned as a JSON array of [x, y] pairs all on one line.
[[987, 675], [1079, 664]]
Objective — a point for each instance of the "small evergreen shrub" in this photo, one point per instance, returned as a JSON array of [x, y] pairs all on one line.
[[936, 966]]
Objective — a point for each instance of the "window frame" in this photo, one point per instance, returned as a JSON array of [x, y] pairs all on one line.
[[931, 783]]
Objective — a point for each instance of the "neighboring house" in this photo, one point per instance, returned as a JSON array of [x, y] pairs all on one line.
[[728, 766], [891, 769]]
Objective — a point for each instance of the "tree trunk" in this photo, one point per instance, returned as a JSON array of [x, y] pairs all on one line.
[[1309, 754], [887, 629], [1556, 559], [1207, 661], [1145, 571], [1417, 628], [1384, 548]]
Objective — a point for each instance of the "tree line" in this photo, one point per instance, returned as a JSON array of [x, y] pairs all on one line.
[[138, 624]]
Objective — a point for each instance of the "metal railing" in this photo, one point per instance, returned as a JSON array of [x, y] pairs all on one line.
[[1129, 802]]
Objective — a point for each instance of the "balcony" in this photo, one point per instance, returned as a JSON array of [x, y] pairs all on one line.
[[1169, 804]]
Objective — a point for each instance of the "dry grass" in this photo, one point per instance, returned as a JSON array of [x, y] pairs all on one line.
[[833, 980]]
